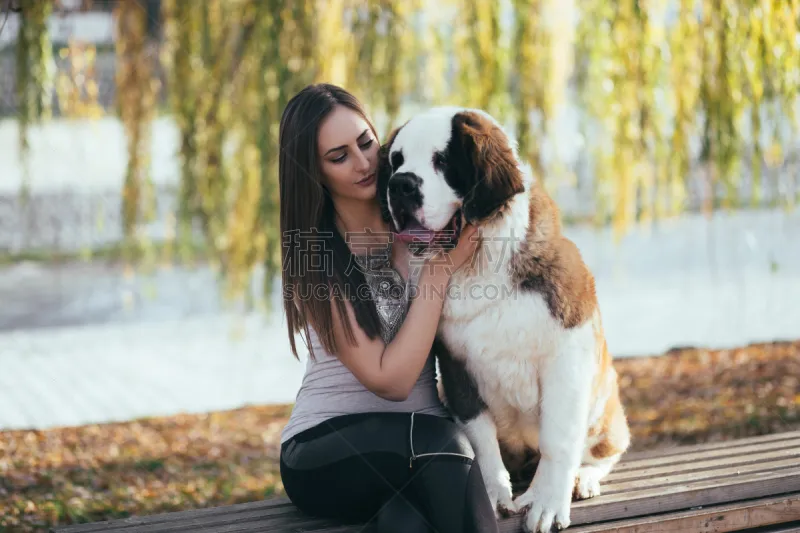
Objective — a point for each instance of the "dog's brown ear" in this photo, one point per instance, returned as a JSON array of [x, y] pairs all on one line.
[[384, 173], [487, 165]]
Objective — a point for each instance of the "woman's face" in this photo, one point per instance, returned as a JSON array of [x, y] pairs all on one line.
[[348, 154]]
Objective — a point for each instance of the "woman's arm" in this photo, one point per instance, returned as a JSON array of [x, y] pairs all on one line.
[[390, 371]]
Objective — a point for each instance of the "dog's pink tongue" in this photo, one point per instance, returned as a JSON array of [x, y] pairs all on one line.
[[415, 232]]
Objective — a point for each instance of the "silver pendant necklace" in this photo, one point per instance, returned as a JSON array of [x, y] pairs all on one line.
[[388, 289]]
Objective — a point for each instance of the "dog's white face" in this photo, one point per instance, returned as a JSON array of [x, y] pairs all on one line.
[[444, 166], [419, 151]]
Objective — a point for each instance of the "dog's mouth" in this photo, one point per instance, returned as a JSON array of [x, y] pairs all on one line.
[[414, 232]]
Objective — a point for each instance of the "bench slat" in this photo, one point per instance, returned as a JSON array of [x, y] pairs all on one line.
[[720, 518], [670, 486], [704, 455], [736, 460], [266, 508], [709, 446], [682, 478], [676, 497], [239, 522], [793, 527]]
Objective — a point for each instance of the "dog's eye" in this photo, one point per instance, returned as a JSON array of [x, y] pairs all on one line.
[[397, 160], [438, 161]]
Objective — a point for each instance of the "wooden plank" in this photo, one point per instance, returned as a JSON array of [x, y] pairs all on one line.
[[642, 485], [676, 497], [269, 508], [718, 519], [731, 517], [239, 522], [349, 529], [711, 446], [716, 473], [639, 464], [222, 523], [664, 475], [740, 460], [793, 527]]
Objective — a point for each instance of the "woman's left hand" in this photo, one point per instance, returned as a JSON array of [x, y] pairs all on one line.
[[450, 260]]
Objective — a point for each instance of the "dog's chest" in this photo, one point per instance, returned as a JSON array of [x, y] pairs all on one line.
[[504, 341]]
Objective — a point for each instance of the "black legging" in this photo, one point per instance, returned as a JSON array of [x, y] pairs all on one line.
[[356, 468]]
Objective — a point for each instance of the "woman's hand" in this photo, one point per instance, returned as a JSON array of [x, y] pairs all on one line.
[[390, 371], [445, 262], [465, 249]]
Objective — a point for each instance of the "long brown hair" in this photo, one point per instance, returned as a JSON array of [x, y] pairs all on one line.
[[307, 226]]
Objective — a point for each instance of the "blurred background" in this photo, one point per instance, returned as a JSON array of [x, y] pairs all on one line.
[[139, 239], [138, 184]]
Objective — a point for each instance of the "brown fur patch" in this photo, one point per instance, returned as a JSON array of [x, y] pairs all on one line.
[[604, 364], [615, 433], [551, 264], [612, 427], [484, 162]]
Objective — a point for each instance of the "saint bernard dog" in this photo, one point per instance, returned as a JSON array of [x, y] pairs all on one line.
[[520, 345]]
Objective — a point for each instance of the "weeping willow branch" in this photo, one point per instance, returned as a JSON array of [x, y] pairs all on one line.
[[686, 74], [34, 56], [136, 90], [435, 70], [364, 41], [251, 233], [524, 46], [393, 77], [334, 41], [648, 93], [292, 59], [181, 56], [214, 112]]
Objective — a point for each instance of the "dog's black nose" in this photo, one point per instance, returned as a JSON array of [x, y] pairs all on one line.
[[403, 184]]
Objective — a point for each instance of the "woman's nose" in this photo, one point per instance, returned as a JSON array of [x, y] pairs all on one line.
[[361, 163]]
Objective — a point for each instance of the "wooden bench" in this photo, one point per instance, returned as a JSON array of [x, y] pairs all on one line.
[[750, 484]]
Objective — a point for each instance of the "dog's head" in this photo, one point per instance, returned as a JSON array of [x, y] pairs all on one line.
[[445, 166]]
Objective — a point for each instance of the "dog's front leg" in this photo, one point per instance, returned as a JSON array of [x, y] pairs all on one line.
[[565, 385], [464, 400], [482, 434]]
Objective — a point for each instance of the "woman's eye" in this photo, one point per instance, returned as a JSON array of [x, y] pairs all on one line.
[[344, 156]]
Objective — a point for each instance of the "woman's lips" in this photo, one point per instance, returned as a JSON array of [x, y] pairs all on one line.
[[369, 180]]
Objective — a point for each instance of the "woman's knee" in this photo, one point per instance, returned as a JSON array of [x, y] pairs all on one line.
[[402, 515], [439, 434]]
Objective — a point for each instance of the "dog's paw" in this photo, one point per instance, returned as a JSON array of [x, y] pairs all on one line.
[[587, 483], [547, 501], [545, 509], [498, 487]]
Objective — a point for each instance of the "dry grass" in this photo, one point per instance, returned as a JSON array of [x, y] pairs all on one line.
[[83, 474], [693, 395]]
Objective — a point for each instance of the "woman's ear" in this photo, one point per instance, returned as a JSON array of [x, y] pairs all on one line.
[[488, 166]]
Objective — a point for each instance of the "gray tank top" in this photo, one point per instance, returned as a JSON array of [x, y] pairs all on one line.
[[329, 389]]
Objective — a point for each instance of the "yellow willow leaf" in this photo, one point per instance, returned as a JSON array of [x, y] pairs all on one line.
[[331, 42], [560, 13]]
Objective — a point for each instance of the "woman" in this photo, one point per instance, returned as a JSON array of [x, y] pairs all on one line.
[[368, 437]]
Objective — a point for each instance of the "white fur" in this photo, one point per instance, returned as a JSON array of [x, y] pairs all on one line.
[[482, 434], [419, 140], [534, 375]]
